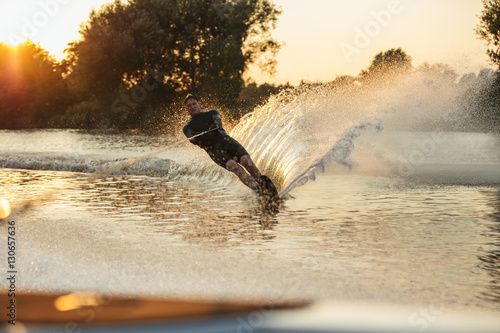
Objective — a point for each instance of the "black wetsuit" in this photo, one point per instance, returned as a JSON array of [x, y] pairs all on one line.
[[218, 144]]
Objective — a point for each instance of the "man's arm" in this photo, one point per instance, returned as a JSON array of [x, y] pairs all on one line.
[[216, 118], [188, 132]]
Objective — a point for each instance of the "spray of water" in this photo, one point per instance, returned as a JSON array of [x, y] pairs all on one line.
[[294, 130], [299, 131]]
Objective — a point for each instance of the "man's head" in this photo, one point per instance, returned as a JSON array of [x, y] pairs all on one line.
[[192, 105]]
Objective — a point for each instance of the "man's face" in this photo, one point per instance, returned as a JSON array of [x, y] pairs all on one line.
[[193, 107]]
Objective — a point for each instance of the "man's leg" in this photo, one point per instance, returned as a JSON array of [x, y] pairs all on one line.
[[245, 178], [252, 169]]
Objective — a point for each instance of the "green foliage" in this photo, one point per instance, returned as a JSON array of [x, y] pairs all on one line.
[[142, 55], [83, 116], [478, 95], [386, 64], [32, 90], [489, 28], [481, 98], [443, 73], [253, 95]]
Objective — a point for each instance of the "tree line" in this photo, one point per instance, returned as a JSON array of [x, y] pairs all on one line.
[[137, 60]]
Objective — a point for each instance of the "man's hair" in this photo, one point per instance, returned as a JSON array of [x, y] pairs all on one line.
[[191, 97]]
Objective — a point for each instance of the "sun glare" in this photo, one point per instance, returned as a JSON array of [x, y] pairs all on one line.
[[4, 208], [11, 64], [318, 43], [11, 13], [53, 23]]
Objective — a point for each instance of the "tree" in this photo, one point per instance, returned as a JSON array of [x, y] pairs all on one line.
[[480, 99], [439, 72], [143, 54], [489, 28], [387, 64], [32, 90], [252, 95]]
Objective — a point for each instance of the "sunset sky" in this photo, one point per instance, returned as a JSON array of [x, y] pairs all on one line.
[[323, 38]]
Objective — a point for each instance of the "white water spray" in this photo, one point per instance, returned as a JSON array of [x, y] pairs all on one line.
[[298, 132]]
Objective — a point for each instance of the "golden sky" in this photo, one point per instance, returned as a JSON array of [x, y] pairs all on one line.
[[323, 38]]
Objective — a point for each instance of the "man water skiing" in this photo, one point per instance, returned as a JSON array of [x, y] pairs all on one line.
[[223, 149]]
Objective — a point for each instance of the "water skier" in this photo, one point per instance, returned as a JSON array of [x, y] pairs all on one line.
[[223, 149]]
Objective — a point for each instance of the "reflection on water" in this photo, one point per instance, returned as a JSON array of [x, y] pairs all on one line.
[[199, 211], [74, 142], [491, 260], [357, 235]]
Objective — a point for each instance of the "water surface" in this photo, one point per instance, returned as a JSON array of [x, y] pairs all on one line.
[[173, 225]]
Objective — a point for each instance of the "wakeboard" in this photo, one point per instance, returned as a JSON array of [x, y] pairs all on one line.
[[269, 197]]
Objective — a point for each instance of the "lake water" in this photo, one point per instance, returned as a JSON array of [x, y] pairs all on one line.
[[406, 221], [383, 204]]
